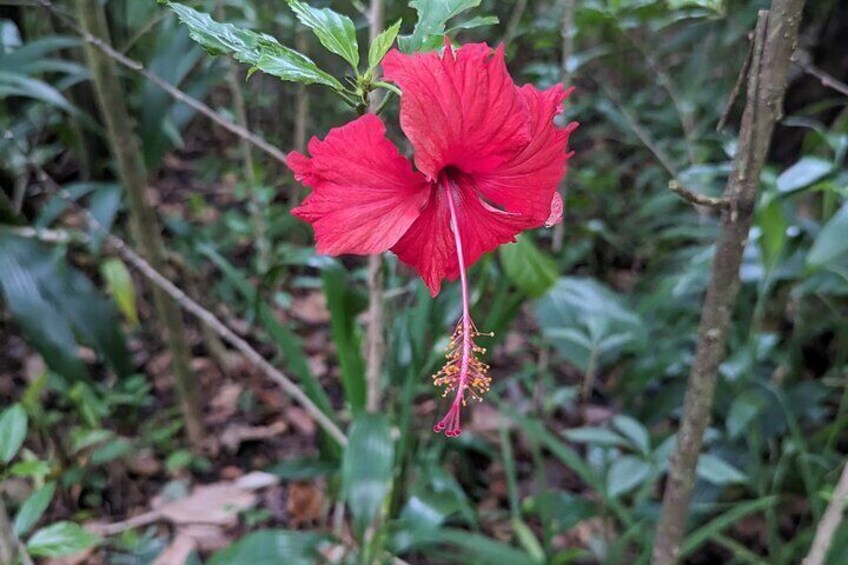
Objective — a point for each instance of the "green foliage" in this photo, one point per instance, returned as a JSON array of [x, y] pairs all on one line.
[[433, 17], [261, 51], [32, 509], [13, 430], [382, 43], [269, 547], [529, 268], [335, 31], [367, 469], [60, 539]]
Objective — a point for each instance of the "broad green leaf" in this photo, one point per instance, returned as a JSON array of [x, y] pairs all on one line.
[[589, 324], [56, 305], [13, 431], [60, 539], [718, 472], [832, 241], [433, 16], [381, 45], [625, 474], [803, 173], [344, 307], [121, 287], [335, 31], [33, 508], [44, 325], [272, 547], [772, 222], [743, 410], [595, 436], [529, 268], [367, 468], [261, 51], [467, 547], [632, 429], [32, 469]]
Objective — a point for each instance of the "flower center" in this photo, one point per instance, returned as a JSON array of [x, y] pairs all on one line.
[[463, 373]]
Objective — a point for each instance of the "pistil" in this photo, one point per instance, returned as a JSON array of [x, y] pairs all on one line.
[[463, 373]]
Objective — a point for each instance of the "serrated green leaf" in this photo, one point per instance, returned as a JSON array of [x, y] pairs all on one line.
[[367, 467], [528, 267], [381, 44], [121, 288], [433, 16], [33, 508], [13, 431], [61, 539], [261, 51], [335, 31]]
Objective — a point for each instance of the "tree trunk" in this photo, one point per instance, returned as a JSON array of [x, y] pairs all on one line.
[[774, 41], [143, 221]]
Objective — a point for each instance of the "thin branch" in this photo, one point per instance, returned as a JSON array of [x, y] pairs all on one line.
[[740, 80], [698, 199], [642, 134], [830, 522], [514, 22], [567, 32], [774, 40], [374, 341], [173, 91], [665, 81], [189, 305], [802, 60]]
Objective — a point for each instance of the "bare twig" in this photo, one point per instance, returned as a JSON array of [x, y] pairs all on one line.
[[514, 22], [642, 133], [174, 92], [830, 521], [695, 198], [567, 33], [374, 343], [775, 37], [740, 80], [665, 81], [802, 60]]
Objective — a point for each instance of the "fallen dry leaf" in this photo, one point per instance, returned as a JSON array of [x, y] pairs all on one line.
[[305, 502], [311, 308], [224, 404], [298, 418], [236, 434]]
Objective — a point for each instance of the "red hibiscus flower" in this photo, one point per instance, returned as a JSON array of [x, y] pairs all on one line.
[[488, 161]]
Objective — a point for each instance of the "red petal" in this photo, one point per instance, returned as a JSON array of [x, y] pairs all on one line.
[[527, 183], [365, 194], [461, 109], [428, 246]]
